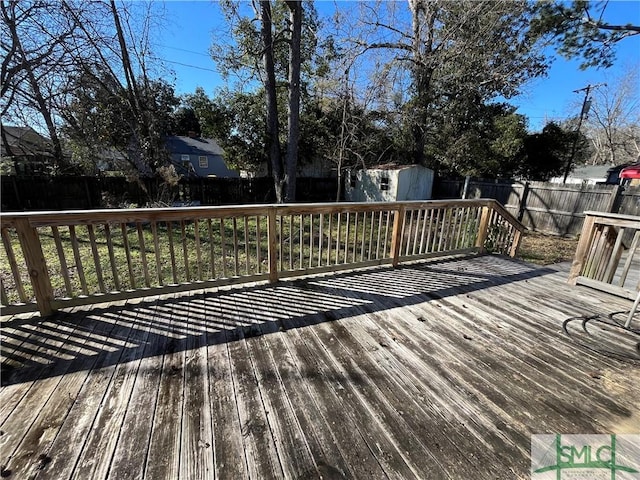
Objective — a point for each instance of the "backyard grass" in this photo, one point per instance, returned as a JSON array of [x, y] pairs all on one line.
[[148, 255], [544, 249]]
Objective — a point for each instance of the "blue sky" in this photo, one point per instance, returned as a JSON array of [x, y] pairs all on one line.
[[191, 25]]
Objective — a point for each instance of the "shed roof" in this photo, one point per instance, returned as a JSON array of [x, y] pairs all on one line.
[[193, 146], [392, 166]]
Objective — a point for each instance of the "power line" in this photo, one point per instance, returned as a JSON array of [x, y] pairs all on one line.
[[184, 50], [186, 65]]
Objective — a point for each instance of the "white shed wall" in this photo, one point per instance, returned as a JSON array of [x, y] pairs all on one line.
[[413, 183]]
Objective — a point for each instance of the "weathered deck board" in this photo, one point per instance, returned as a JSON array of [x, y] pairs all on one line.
[[432, 370]]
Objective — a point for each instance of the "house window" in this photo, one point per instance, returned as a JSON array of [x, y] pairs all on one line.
[[384, 183], [186, 164], [352, 179], [203, 162], [184, 158]]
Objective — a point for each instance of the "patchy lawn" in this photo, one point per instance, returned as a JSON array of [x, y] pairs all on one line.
[[546, 249]]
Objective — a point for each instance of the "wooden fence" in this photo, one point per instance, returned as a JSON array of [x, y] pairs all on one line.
[[60, 259], [601, 252], [546, 207], [70, 193]]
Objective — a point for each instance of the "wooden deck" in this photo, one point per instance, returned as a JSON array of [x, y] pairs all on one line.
[[438, 369]]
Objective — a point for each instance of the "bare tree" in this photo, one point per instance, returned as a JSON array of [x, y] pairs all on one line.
[[613, 124], [35, 40]]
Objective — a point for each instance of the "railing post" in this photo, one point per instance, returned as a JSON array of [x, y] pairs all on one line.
[[582, 249], [396, 236], [273, 245], [483, 228], [36, 265], [515, 244]]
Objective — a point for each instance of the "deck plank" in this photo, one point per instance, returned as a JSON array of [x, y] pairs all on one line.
[[259, 444], [163, 457], [50, 402], [129, 457], [228, 447], [97, 451], [196, 453], [431, 370]]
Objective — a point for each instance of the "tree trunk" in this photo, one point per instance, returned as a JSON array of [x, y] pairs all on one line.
[[293, 127], [272, 126]]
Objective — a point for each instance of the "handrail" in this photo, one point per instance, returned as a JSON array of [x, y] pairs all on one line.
[[600, 261], [62, 259]]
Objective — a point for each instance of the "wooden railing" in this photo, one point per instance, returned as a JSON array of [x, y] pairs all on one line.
[[607, 256], [60, 259]]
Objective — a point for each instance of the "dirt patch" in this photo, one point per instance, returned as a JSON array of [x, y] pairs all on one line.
[[544, 249]]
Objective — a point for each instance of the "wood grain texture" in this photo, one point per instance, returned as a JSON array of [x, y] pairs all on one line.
[[431, 370]]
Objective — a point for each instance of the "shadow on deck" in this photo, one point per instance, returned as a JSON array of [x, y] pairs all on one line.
[[440, 369], [76, 340]]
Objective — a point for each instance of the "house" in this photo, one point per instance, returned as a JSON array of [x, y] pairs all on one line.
[[389, 183], [194, 156], [25, 152], [591, 175]]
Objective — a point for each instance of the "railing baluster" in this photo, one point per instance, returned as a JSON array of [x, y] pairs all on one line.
[[635, 243], [3, 293], [127, 252], [301, 242], [246, 245], [273, 245], [13, 264], [329, 237], [223, 247], [172, 253], [64, 270], [407, 233], [258, 242], [156, 248], [96, 258], [371, 227], [355, 240], [290, 242], [320, 239], [78, 260], [346, 238], [112, 257], [387, 253], [196, 238], [416, 233], [281, 242], [396, 236], [212, 257], [364, 235], [236, 261], [310, 240], [339, 224], [185, 250], [143, 255]]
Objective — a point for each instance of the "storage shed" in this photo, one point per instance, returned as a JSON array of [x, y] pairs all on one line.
[[389, 183]]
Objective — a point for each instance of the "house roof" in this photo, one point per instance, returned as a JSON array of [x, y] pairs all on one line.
[[25, 142], [193, 146]]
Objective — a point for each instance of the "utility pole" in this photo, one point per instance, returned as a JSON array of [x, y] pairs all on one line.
[[586, 104]]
